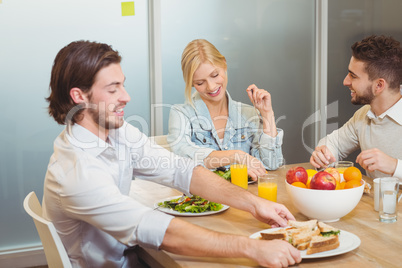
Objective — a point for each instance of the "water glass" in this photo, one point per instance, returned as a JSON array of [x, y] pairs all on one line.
[[376, 185], [389, 188]]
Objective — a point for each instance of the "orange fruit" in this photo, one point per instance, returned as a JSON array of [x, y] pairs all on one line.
[[352, 184], [299, 184], [352, 173], [340, 186], [310, 174]]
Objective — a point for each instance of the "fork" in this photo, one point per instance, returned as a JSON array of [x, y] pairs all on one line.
[[181, 199]]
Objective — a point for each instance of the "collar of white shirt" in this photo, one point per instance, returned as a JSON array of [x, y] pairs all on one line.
[[395, 112], [84, 139]]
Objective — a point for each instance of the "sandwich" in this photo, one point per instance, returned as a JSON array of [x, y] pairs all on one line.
[[298, 234], [326, 230], [281, 234], [327, 240], [311, 224], [301, 240], [321, 243], [309, 235], [295, 227]]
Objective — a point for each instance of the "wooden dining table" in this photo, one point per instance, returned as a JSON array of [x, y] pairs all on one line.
[[381, 243]]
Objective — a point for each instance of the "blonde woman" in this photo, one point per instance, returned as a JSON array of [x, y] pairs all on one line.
[[215, 130]]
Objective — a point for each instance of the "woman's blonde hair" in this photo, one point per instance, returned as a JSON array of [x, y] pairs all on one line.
[[197, 52]]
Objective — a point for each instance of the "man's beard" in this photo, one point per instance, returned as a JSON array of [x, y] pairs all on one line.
[[102, 120], [366, 98]]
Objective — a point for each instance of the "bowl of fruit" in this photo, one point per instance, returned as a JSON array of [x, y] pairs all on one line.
[[326, 195]]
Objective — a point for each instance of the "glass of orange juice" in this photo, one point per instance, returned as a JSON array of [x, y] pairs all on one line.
[[341, 166], [238, 174], [268, 186]]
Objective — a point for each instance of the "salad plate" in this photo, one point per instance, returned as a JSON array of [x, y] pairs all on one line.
[[347, 242], [186, 214]]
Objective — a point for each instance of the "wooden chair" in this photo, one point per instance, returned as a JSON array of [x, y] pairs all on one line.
[[55, 252]]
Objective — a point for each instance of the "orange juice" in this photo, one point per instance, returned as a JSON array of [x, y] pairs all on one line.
[[341, 166], [268, 190], [239, 175], [341, 169]]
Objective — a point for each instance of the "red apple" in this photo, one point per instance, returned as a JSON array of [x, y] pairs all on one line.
[[296, 174], [323, 181]]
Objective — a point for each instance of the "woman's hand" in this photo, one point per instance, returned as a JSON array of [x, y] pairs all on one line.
[[255, 167], [217, 159], [261, 100]]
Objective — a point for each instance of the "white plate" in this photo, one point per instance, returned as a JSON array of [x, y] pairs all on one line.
[[347, 241], [187, 214]]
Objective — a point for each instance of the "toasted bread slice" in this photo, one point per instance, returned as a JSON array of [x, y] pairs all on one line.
[[293, 230], [278, 234], [321, 241], [311, 224], [313, 250], [303, 246], [324, 228], [304, 237]]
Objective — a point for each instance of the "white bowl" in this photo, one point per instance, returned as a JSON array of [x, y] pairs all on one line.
[[325, 205]]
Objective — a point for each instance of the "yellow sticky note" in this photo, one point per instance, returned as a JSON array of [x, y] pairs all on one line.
[[127, 9]]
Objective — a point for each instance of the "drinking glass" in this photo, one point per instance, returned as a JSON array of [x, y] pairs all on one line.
[[268, 186], [389, 188], [376, 184], [239, 175], [341, 166]]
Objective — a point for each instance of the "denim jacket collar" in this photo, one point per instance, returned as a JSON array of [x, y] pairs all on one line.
[[201, 109], [235, 120]]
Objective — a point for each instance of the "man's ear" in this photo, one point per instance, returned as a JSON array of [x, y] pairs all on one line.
[[380, 85], [77, 95]]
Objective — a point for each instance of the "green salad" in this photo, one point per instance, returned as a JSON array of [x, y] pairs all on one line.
[[194, 204], [223, 173]]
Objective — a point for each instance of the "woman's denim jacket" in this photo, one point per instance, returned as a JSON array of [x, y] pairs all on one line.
[[192, 133]]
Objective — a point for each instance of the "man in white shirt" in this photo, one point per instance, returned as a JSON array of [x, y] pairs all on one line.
[[374, 79], [89, 175]]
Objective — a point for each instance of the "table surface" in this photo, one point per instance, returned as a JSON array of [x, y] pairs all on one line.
[[381, 243]]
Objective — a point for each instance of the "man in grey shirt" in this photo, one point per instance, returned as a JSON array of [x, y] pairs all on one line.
[[374, 78]]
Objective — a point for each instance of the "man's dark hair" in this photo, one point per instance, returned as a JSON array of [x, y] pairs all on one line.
[[382, 57], [76, 65]]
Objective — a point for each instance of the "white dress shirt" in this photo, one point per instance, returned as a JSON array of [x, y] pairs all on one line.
[[86, 193]]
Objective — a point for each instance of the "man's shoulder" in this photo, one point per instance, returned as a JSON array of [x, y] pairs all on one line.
[[362, 112], [66, 155]]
